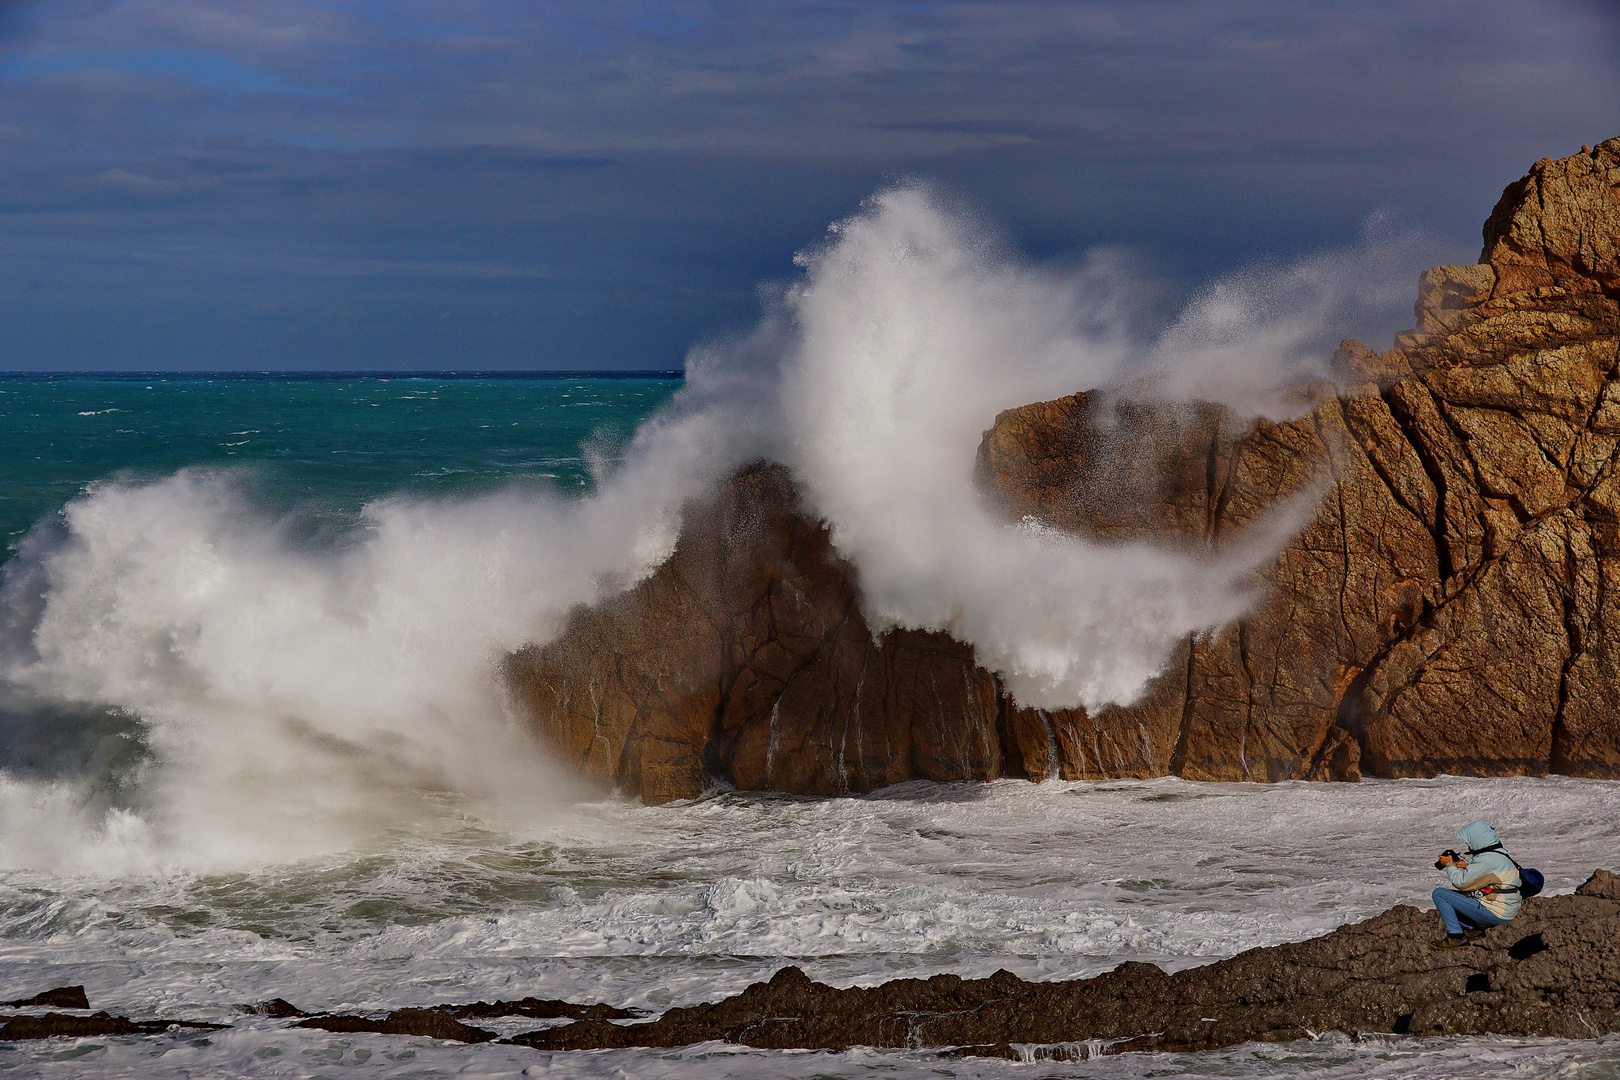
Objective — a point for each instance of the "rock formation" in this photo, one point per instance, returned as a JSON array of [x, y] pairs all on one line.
[[1553, 971], [746, 657], [1452, 606], [53, 1025], [63, 997], [445, 1021], [424, 1023], [438, 1022], [539, 1009]]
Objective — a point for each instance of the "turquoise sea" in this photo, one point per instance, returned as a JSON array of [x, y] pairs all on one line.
[[328, 441]]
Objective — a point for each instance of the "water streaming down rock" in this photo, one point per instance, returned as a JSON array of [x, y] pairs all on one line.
[[1447, 607]]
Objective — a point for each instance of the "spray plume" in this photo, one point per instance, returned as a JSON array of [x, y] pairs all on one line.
[[294, 700]]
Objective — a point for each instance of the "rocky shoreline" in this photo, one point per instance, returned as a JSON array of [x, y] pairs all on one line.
[[1552, 972], [1448, 608]]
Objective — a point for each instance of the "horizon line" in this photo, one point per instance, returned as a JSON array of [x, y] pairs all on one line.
[[356, 373]]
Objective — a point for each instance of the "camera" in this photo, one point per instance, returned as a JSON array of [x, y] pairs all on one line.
[[1439, 864]]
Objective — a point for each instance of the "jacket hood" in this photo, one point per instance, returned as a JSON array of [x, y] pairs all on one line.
[[1477, 834]]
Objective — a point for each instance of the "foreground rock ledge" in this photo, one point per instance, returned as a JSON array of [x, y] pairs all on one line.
[[1554, 971]]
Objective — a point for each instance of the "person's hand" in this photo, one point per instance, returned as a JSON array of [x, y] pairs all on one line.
[[1447, 859]]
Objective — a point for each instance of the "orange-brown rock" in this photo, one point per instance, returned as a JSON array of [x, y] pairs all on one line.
[[1258, 700], [746, 658], [1452, 605]]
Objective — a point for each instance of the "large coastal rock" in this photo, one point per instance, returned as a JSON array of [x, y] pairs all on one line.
[[746, 658], [1453, 605], [1553, 971]]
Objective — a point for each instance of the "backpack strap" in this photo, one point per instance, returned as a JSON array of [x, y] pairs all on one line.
[[1494, 847], [1499, 888]]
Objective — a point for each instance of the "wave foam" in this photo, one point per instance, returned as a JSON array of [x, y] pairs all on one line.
[[289, 697]]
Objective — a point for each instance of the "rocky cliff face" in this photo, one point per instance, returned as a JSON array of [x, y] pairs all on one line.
[[1452, 606]]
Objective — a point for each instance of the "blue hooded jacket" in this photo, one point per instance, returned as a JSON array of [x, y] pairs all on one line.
[[1492, 868]]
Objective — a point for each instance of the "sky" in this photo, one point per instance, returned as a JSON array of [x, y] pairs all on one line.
[[526, 184]]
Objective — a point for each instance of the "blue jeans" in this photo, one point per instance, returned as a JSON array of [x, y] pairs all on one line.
[[1455, 906]]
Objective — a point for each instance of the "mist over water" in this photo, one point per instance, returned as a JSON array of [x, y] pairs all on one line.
[[259, 683], [290, 698], [1245, 339]]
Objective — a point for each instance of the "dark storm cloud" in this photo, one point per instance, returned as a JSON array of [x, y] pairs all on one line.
[[499, 183]]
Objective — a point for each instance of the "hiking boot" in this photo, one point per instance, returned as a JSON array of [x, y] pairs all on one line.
[[1473, 933], [1450, 941]]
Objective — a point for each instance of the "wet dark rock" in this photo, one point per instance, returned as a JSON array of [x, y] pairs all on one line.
[[429, 1023], [53, 1024], [444, 1021], [538, 1009], [276, 1009], [63, 997], [1602, 883], [1554, 971], [17, 1028]]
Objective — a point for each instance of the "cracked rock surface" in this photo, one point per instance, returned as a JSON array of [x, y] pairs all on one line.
[[425, 1023], [1452, 604], [445, 1021], [1553, 971]]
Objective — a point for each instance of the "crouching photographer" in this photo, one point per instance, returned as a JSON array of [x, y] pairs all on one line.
[[1486, 887]]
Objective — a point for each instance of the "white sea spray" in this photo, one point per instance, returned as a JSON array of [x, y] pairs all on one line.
[[284, 698], [913, 331]]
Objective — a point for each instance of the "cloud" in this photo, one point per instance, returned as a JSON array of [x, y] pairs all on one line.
[[846, 79], [1204, 135], [15, 19]]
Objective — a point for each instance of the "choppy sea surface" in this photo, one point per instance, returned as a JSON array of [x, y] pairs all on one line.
[[329, 441], [597, 898]]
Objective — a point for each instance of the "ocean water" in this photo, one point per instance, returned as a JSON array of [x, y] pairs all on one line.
[[177, 881], [330, 441]]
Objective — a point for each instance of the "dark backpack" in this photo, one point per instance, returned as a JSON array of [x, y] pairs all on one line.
[[1531, 880]]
